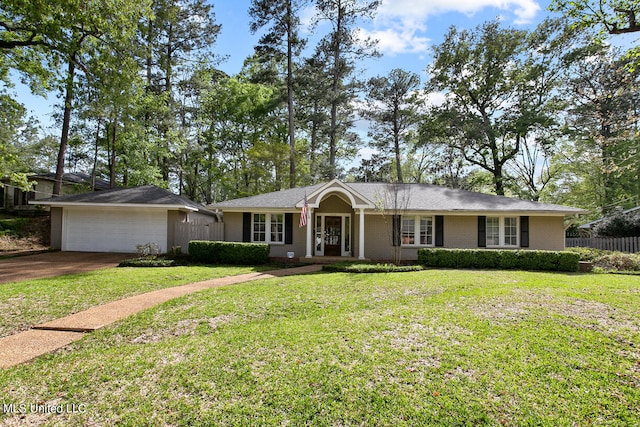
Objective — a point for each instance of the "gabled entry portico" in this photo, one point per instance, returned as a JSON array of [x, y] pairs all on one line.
[[330, 222]]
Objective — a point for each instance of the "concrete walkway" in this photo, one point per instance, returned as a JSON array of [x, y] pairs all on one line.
[[50, 336]]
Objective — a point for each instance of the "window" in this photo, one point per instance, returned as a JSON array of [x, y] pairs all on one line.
[[511, 231], [277, 228], [408, 231], [502, 231], [493, 231], [420, 226], [259, 228], [426, 231], [268, 228]]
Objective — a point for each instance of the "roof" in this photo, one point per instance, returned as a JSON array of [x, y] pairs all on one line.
[[416, 197], [73, 178], [590, 225], [146, 195]]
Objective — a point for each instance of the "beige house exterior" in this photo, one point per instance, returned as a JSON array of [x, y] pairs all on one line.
[[376, 220]]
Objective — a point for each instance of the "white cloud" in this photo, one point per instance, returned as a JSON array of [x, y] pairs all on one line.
[[400, 25], [411, 10], [393, 40]]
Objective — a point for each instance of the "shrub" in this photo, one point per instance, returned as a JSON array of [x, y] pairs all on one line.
[[619, 224], [228, 252], [148, 262], [618, 261], [367, 267], [606, 261], [150, 249], [500, 259]]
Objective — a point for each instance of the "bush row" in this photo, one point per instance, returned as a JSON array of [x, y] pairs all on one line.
[[499, 259], [228, 252]]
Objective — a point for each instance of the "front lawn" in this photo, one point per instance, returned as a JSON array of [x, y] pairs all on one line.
[[26, 303], [437, 348]]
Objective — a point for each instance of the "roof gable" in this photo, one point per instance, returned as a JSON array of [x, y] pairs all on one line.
[[357, 200]]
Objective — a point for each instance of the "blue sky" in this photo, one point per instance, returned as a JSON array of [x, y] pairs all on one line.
[[406, 30]]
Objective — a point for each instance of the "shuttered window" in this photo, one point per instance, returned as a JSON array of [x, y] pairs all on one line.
[[501, 231]]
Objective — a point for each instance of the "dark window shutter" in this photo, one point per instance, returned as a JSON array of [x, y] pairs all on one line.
[[397, 233], [524, 231], [439, 230], [246, 226], [482, 231], [288, 228]]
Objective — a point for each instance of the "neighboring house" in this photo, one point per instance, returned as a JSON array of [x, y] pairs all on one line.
[[587, 229], [371, 220], [15, 199], [119, 220]]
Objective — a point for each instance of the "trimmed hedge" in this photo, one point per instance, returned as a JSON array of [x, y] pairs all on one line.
[[367, 267], [499, 259], [149, 262], [228, 252]]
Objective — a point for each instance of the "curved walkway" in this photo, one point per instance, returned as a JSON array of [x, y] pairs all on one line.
[[50, 336]]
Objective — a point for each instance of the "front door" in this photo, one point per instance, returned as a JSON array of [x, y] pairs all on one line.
[[332, 235]]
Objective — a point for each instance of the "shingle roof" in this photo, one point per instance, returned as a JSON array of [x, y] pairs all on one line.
[[420, 197], [277, 200], [143, 195]]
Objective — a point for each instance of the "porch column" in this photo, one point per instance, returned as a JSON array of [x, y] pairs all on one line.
[[309, 253], [361, 236]]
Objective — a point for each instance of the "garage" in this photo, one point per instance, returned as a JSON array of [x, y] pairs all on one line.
[[119, 220], [113, 230]]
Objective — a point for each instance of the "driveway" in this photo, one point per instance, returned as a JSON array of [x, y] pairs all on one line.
[[56, 264]]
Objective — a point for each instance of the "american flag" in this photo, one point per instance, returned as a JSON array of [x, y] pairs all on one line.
[[303, 213]]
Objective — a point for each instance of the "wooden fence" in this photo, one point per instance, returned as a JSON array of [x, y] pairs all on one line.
[[187, 231], [622, 244]]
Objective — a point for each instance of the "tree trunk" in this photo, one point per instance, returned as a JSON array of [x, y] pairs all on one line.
[[396, 144], [112, 160], [95, 156], [290, 95], [333, 133], [66, 121]]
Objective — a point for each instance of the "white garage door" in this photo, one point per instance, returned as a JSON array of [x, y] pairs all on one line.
[[113, 230]]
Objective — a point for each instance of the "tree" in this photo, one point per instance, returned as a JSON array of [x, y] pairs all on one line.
[[41, 36], [173, 38], [392, 204], [391, 106], [613, 17], [283, 16], [243, 140], [600, 159], [339, 51], [619, 224], [314, 115], [376, 169], [497, 93]]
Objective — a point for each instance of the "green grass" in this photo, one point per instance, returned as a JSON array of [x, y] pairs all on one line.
[[26, 303], [437, 348]]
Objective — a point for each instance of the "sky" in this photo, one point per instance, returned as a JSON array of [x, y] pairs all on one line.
[[406, 30]]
